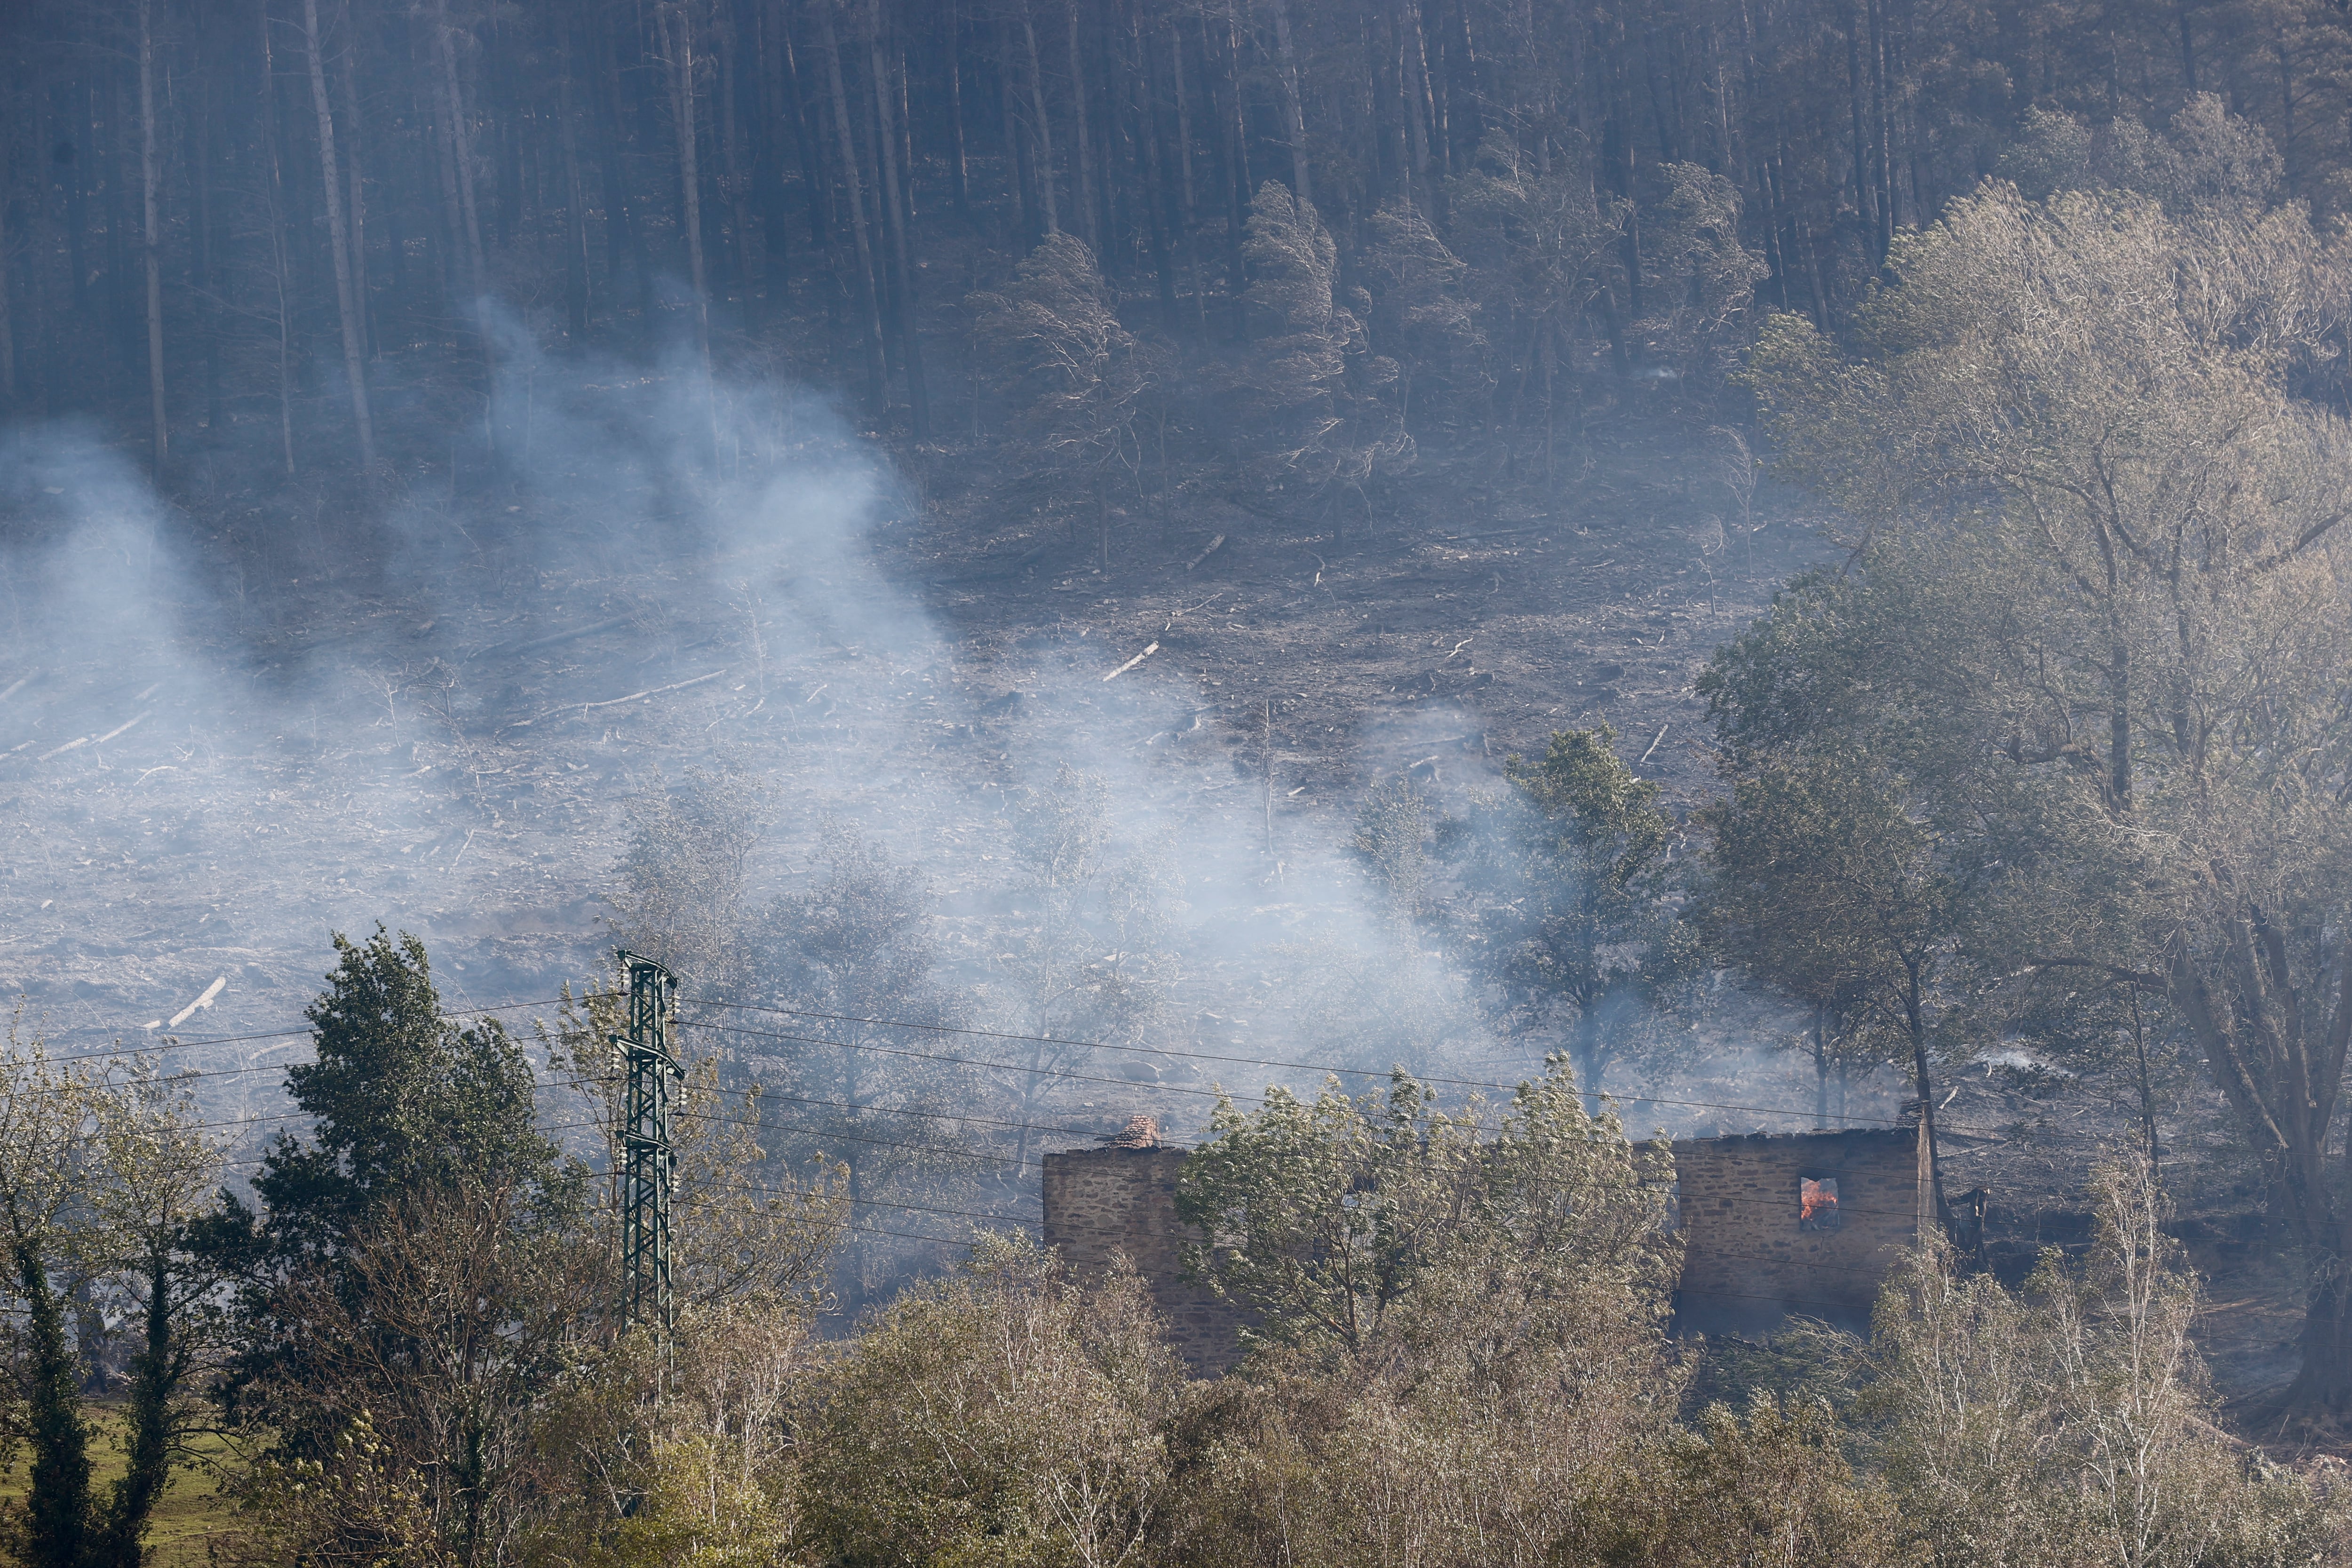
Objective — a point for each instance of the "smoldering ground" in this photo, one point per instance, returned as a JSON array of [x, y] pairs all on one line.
[[215, 752]]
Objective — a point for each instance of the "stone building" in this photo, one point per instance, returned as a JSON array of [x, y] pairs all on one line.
[[1121, 1199], [1772, 1224], [1792, 1222]]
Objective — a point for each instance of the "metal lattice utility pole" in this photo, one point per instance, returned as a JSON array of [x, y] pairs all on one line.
[[646, 1158]]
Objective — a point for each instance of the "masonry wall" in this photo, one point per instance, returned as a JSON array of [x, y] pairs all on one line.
[[1747, 1263], [1099, 1202]]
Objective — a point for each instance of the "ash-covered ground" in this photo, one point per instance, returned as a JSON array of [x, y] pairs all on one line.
[[220, 742], [436, 720]]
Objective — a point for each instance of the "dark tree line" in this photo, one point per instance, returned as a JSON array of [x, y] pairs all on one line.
[[270, 227]]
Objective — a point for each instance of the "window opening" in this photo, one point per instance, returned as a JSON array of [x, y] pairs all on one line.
[[1817, 1203]]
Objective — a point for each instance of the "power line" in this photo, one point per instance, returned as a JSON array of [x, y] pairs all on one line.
[[175, 1043], [1793, 1112]]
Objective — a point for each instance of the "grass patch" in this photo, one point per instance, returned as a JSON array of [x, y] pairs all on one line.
[[190, 1512]]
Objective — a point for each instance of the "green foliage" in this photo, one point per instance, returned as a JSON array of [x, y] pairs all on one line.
[[1001, 1417], [1341, 1223], [1579, 936], [2095, 620], [56, 1525], [1771, 1489], [402, 1099], [1829, 884], [2071, 1422], [100, 1174]]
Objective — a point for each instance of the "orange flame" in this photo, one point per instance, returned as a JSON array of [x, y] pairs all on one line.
[[1818, 1197]]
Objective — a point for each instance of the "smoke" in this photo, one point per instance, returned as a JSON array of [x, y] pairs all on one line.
[[221, 745]]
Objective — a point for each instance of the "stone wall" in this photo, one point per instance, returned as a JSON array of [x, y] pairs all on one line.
[[1099, 1202], [1748, 1261]]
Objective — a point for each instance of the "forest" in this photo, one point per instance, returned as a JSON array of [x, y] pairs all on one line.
[[1429, 591]]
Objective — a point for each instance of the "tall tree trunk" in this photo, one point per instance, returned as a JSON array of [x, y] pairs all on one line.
[[958, 163], [869, 294], [461, 156], [201, 137], [575, 201], [150, 177], [895, 218], [156, 1373], [369, 342], [1039, 125], [805, 134], [1294, 109], [56, 1512], [1018, 159], [1233, 139], [678, 44], [7, 290], [737, 177], [339, 238], [625, 248], [274, 221], [1188, 207], [1081, 195]]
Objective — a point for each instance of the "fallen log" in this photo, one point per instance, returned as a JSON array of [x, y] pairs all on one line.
[[1131, 663], [118, 730], [201, 1003], [1206, 550], [653, 691], [1654, 745], [553, 639]]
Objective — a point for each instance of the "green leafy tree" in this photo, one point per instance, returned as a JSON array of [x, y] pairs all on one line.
[[2071, 1421], [1328, 1219], [1577, 932], [2098, 616], [409, 1109], [1770, 1485], [101, 1175], [1461, 1319], [1829, 882], [1005, 1413], [47, 1164]]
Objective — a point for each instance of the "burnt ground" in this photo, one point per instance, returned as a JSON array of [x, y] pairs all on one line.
[[443, 734]]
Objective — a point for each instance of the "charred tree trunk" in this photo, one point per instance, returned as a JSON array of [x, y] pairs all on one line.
[[1188, 205], [958, 163], [736, 178], [274, 220], [1294, 109], [1040, 126], [869, 294], [575, 201], [350, 145], [678, 44], [895, 215], [1082, 193], [339, 239], [151, 178]]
